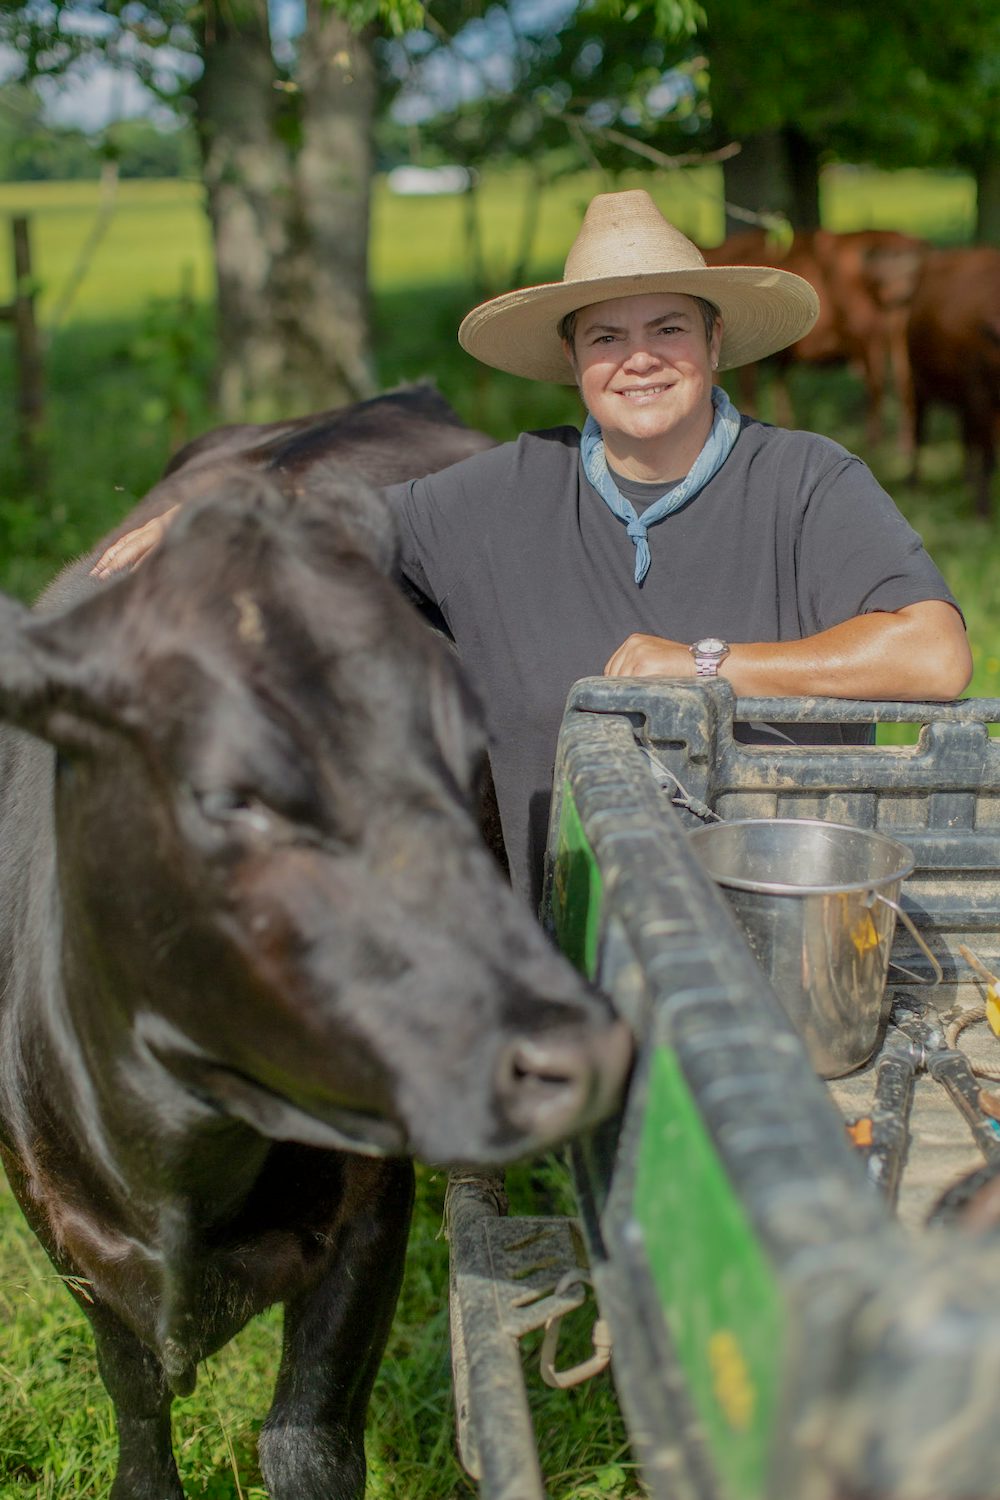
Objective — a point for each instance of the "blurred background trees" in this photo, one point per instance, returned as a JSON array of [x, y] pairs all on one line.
[[284, 140], [287, 108], [800, 87]]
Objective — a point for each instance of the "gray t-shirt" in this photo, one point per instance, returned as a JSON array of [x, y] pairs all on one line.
[[534, 576]]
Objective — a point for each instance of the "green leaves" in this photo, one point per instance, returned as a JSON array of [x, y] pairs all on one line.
[[398, 16], [670, 18]]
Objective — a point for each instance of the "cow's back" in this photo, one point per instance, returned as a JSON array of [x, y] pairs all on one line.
[[401, 435], [954, 329], [953, 339]]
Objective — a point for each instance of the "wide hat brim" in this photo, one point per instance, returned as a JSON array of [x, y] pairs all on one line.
[[763, 309]]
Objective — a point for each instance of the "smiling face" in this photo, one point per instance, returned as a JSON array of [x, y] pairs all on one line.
[[644, 366]]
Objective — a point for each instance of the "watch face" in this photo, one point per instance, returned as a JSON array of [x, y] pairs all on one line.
[[711, 645]]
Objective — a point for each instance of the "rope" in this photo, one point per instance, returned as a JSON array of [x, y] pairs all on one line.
[[681, 796]]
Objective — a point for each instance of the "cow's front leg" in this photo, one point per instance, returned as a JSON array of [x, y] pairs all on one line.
[[312, 1444], [134, 1379]]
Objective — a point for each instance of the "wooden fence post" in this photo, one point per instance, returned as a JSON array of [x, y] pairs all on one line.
[[28, 357]]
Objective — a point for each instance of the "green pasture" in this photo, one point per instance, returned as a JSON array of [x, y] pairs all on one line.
[[56, 1431], [127, 375], [156, 239]]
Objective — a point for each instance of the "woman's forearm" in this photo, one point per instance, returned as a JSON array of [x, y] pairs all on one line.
[[913, 654]]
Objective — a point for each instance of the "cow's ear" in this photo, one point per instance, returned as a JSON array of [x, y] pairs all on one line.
[[48, 685]]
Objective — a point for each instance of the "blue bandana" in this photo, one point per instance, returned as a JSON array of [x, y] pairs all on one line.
[[718, 445]]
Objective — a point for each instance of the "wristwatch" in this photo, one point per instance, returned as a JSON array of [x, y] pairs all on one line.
[[709, 653]]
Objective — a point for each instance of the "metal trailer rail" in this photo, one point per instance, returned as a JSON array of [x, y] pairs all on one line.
[[784, 1324]]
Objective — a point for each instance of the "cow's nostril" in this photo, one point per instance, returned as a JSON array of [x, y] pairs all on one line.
[[530, 1062], [544, 1086], [551, 1086]]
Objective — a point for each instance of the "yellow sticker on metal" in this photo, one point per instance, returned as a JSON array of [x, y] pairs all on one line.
[[731, 1379]]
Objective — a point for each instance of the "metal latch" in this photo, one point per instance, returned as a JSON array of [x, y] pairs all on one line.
[[562, 1380]]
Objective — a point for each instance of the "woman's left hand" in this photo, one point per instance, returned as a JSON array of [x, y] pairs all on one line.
[[130, 549], [650, 656]]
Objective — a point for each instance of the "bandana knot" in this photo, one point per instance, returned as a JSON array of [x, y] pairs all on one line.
[[717, 448]]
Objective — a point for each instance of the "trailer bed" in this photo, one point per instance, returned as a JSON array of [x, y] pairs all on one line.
[[797, 1306]]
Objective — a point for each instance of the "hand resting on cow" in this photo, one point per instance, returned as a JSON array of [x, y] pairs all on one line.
[[130, 549], [255, 953]]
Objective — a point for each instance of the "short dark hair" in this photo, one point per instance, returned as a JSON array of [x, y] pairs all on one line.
[[709, 313]]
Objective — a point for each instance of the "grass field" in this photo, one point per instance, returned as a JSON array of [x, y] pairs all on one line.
[[56, 1433], [127, 372], [157, 239]]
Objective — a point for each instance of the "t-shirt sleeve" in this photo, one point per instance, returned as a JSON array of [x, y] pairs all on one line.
[[442, 517], [857, 553]]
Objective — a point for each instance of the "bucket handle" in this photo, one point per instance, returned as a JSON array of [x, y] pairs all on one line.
[[907, 922]]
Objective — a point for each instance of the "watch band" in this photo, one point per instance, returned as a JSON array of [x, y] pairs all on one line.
[[709, 653]]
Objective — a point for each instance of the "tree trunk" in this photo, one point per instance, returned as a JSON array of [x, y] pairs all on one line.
[[757, 178], [289, 212], [326, 282], [802, 158], [246, 173]]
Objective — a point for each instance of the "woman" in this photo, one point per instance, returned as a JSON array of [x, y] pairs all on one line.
[[672, 537]]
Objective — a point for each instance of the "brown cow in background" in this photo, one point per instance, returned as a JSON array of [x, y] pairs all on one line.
[[953, 341], [865, 280]]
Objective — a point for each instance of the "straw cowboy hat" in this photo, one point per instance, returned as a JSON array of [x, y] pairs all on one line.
[[626, 247]]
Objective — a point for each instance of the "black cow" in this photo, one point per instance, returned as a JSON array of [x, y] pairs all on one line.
[[253, 954]]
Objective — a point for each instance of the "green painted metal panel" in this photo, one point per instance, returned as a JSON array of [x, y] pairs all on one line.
[[720, 1299], [577, 893]]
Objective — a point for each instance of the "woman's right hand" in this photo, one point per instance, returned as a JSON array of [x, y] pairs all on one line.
[[130, 549]]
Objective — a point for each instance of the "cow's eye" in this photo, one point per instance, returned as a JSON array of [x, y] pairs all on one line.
[[227, 804]]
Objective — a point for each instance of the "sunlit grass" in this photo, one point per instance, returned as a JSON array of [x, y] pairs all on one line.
[[156, 239], [157, 236], [940, 206]]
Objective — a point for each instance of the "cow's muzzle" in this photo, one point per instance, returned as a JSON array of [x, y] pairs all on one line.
[[554, 1084]]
